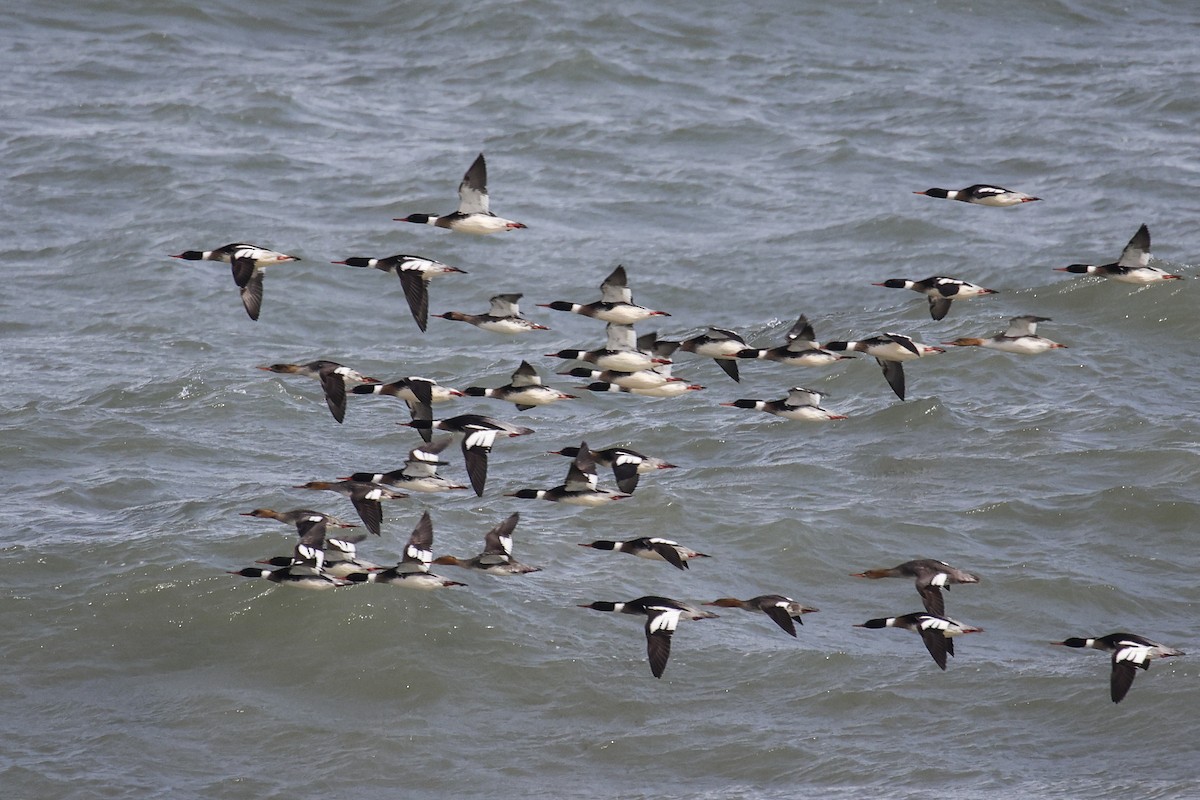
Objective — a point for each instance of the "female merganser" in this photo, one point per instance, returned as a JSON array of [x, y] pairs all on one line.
[[1132, 267], [669, 389], [650, 547], [525, 390], [333, 377], [472, 215], [296, 516], [496, 557], [418, 393], [983, 195], [504, 316], [1130, 653], [800, 404], [615, 303], [626, 464], [579, 488], [940, 291], [931, 577], [413, 570], [720, 344], [662, 616], [298, 576], [366, 498], [415, 273], [935, 631], [419, 473], [783, 610], [620, 353], [247, 261], [888, 350], [800, 349], [1020, 337], [479, 433]]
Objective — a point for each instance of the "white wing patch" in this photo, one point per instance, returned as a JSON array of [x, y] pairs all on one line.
[[664, 619]]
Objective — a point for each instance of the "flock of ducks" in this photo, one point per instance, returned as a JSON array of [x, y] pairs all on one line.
[[325, 557]]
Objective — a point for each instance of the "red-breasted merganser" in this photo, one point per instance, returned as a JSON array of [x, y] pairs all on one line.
[[650, 547], [525, 390], [720, 344], [668, 389], [889, 350], [415, 273], [615, 303], [300, 577], [783, 610], [931, 577], [504, 316], [800, 349], [419, 394], [579, 488], [413, 570], [620, 353], [800, 404], [496, 557], [366, 498], [479, 433], [296, 516], [662, 616], [935, 631], [640, 379], [626, 464], [247, 261], [1130, 653], [1132, 267], [982, 195], [419, 473], [333, 377], [1020, 337], [473, 214], [940, 291]]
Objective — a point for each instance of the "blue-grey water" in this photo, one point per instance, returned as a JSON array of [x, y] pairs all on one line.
[[746, 163]]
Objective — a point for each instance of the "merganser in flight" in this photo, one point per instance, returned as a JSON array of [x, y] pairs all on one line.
[[1132, 267], [720, 344], [366, 498], [1020, 337], [935, 631], [300, 577], [983, 195], [525, 390], [479, 433], [662, 616], [504, 317], [579, 488], [641, 379], [418, 393], [473, 214], [247, 261], [626, 464], [889, 350], [415, 273], [650, 547], [615, 303], [669, 389], [620, 353], [296, 516], [940, 291], [419, 473], [800, 349], [800, 404], [1130, 653], [931, 577], [783, 610], [496, 558], [333, 377], [413, 570]]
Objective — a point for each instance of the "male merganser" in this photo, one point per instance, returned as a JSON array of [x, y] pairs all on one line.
[[298, 576], [1130, 653], [496, 557], [504, 316], [296, 516], [983, 195], [1132, 267], [783, 610], [336, 556], [333, 377], [418, 393], [888, 350], [800, 404], [415, 273], [940, 291], [615, 303], [472, 215], [1020, 337], [720, 344], [931, 577], [419, 473], [413, 569], [650, 547], [662, 616], [620, 353], [479, 433], [247, 261], [669, 389], [935, 631], [626, 464], [309, 550], [525, 390], [640, 379], [579, 488], [366, 498], [800, 349]]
